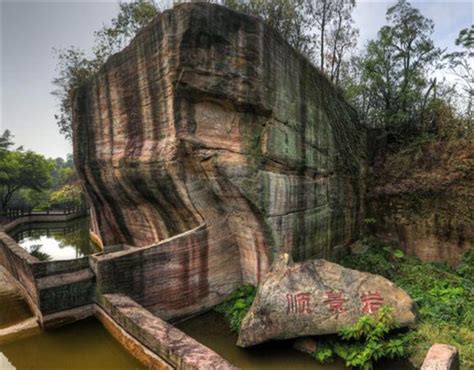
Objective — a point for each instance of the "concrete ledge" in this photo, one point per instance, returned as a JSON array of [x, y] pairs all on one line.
[[441, 357], [61, 318], [169, 343], [24, 329], [134, 347]]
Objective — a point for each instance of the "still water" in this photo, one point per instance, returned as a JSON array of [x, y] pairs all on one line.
[[56, 240], [84, 345], [211, 330]]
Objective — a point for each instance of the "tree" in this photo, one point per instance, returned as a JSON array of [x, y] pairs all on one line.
[[460, 64], [290, 18], [132, 18], [75, 68], [301, 22], [22, 170], [341, 38], [394, 72], [6, 140]]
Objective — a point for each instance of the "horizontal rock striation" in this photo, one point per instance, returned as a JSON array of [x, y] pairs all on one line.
[[210, 120]]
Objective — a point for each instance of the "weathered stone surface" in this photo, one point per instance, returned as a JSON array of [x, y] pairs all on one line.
[[175, 347], [317, 297], [209, 119], [441, 357], [148, 358], [21, 330], [421, 199]]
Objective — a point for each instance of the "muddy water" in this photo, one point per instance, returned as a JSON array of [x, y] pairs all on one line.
[[85, 345], [211, 330], [56, 240]]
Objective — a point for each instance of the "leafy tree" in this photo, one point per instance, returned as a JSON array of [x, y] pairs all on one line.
[[131, 18], [75, 67], [309, 25], [341, 38], [291, 18], [22, 170], [67, 196], [6, 140], [394, 72], [460, 64]]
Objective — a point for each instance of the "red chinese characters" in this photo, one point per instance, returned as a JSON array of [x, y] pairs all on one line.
[[335, 301], [371, 302], [298, 303]]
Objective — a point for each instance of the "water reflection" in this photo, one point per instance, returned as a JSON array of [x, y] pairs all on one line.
[[56, 240]]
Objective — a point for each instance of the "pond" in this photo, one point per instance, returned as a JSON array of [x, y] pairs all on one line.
[[211, 330], [84, 345], [56, 240]]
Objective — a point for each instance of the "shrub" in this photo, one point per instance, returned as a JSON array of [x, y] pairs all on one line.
[[236, 306], [370, 339], [444, 296]]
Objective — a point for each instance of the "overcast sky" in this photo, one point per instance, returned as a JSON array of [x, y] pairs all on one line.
[[30, 29]]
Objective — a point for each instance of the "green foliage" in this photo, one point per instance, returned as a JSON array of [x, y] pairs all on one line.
[[6, 140], [370, 339], [236, 306], [325, 352], [22, 170], [394, 84], [67, 196], [444, 296], [466, 267]]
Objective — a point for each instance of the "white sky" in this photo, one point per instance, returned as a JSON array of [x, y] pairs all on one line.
[[30, 29]]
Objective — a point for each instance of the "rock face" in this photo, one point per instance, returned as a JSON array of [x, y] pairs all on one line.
[[210, 120], [317, 297], [422, 199]]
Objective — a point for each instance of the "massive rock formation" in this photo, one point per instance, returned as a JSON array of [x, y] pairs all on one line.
[[210, 121]]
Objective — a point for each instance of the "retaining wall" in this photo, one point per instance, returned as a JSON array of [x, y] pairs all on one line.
[[178, 277], [50, 287]]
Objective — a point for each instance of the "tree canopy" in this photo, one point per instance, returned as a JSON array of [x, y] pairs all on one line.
[[22, 170]]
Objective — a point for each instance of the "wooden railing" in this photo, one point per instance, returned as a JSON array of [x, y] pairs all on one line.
[[11, 214]]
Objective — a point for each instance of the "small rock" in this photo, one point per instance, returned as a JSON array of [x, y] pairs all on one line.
[[441, 357], [317, 297], [306, 345]]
